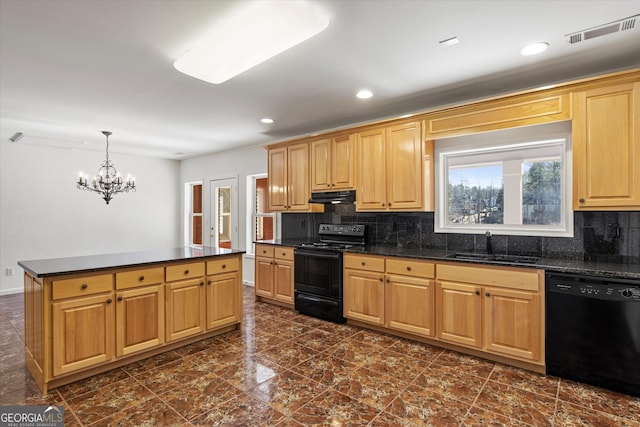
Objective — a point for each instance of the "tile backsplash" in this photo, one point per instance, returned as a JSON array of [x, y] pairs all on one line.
[[598, 236]]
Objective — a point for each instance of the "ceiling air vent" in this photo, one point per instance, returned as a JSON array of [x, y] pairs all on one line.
[[603, 30]]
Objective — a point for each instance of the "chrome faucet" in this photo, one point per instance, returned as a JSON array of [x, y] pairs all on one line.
[[489, 243]]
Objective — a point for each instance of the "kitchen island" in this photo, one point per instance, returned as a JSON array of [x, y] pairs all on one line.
[[86, 315]]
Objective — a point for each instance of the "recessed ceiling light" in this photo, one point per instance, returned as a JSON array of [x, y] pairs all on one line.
[[258, 31], [267, 120], [364, 94], [534, 48], [449, 42]]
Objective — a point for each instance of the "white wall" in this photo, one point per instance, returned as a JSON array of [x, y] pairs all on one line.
[[43, 215], [227, 164]]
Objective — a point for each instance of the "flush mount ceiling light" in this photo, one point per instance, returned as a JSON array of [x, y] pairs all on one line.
[[364, 94], [534, 48], [267, 120], [258, 31]]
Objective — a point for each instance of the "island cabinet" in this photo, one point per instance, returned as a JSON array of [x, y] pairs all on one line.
[[606, 147], [274, 274], [497, 310], [396, 293], [389, 169], [288, 176], [332, 163], [80, 324]]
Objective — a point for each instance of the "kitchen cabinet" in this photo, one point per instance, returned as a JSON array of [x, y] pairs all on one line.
[[503, 113], [389, 168], [606, 147], [185, 308], [224, 292], [394, 292], [288, 176], [84, 331], [497, 310], [332, 163], [274, 273]]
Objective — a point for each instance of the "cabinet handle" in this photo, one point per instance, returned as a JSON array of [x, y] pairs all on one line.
[[333, 185], [109, 301], [363, 263], [84, 286], [119, 298], [186, 272], [477, 292], [389, 204], [581, 200], [381, 279], [209, 282], [383, 204], [388, 281], [141, 278], [284, 253], [408, 268], [224, 265], [201, 283], [487, 294], [328, 185]]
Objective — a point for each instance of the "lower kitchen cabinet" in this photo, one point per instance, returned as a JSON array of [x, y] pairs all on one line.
[[497, 310], [139, 319], [84, 329], [274, 273], [185, 308], [409, 305], [224, 292], [364, 296]]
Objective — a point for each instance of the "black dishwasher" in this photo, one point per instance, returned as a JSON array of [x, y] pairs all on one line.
[[593, 331]]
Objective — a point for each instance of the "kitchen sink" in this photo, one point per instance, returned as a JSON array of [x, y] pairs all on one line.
[[495, 258]]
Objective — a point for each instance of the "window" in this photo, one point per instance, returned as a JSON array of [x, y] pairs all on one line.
[[261, 224], [508, 182], [194, 204]]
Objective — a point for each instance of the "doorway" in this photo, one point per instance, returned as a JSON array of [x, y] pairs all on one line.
[[224, 213]]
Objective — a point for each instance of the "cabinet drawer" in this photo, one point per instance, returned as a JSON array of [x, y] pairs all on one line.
[[362, 262], [264, 251], [132, 279], [223, 265], [185, 271], [410, 268], [281, 252], [80, 286], [529, 280]]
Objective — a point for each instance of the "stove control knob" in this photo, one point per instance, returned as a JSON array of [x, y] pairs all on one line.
[[627, 293]]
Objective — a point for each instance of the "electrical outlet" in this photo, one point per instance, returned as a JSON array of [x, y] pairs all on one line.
[[9, 271]]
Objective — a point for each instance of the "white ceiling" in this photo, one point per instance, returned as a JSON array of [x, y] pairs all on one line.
[[71, 68]]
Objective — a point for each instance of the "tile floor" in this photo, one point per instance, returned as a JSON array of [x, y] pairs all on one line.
[[285, 369]]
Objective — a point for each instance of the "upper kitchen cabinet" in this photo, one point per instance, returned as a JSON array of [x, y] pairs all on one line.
[[332, 163], [509, 112], [389, 169], [606, 148], [289, 188]]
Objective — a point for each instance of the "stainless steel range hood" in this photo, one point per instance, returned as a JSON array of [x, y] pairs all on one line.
[[333, 197]]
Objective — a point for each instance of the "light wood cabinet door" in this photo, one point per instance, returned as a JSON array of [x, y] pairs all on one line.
[[512, 320], [298, 177], [342, 162], [277, 178], [264, 277], [185, 308], [371, 170], [139, 319], [404, 167], [410, 305], [283, 281], [224, 300], [364, 296], [84, 332], [459, 313], [34, 321], [606, 148], [321, 165]]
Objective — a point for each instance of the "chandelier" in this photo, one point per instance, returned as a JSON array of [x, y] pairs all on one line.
[[107, 181]]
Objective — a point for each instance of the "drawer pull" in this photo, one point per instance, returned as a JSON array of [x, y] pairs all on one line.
[[119, 298], [186, 272], [581, 200], [209, 282], [109, 301], [408, 268], [201, 283], [224, 265], [477, 292], [488, 294], [363, 263], [381, 279], [284, 253], [84, 286], [141, 278]]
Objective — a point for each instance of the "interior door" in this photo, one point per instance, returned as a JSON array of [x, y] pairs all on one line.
[[224, 213]]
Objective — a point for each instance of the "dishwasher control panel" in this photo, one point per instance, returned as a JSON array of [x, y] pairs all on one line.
[[613, 290]]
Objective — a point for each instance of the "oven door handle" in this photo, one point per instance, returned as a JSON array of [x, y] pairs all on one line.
[[317, 254], [311, 298]]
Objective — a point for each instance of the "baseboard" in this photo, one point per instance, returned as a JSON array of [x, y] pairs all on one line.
[[11, 291]]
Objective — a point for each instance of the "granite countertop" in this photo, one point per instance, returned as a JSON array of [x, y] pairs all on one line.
[[90, 263], [604, 269]]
